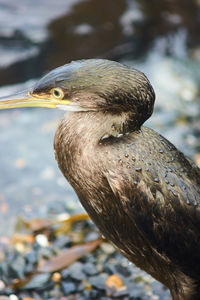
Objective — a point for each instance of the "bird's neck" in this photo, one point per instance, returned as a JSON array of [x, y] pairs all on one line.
[[95, 127], [78, 142]]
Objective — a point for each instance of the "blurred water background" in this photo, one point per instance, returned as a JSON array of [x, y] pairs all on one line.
[[161, 38]]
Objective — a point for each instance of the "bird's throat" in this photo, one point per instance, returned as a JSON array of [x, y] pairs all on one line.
[[97, 126]]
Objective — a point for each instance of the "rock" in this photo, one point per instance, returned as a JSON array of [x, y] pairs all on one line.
[[42, 240], [29, 269], [13, 297], [38, 281], [2, 285], [93, 295], [98, 282], [120, 294], [31, 257], [65, 273], [75, 271], [55, 293], [91, 236], [16, 267], [137, 293], [107, 248], [61, 242], [110, 269], [68, 288], [124, 271], [90, 269]]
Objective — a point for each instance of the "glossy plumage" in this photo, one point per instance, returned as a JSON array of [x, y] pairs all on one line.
[[142, 193]]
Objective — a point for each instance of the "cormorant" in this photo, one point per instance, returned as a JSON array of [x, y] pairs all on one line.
[[140, 191]]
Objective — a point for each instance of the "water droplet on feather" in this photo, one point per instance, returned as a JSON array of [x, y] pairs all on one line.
[[156, 179], [138, 169]]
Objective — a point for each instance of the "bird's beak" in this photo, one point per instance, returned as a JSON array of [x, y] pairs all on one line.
[[26, 99]]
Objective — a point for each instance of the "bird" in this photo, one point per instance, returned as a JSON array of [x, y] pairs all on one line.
[[137, 187]]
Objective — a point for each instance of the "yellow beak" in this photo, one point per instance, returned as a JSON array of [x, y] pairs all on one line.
[[25, 99]]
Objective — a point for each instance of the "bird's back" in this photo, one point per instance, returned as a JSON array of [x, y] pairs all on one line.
[[160, 189]]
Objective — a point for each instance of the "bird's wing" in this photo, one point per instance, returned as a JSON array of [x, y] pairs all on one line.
[[168, 218]]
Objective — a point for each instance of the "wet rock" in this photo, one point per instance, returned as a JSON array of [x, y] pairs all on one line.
[[65, 273], [29, 269], [93, 294], [109, 269], [2, 285], [38, 281], [89, 269], [6, 292], [68, 288], [13, 297], [77, 276], [107, 248], [98, 282], [75, 271], [75, 267], [137, 293], [46, 253], [81, 287], [124, 271], [31, 257], [91, 236], [42, 240], [31, 260], [55, 293], [120, 294], [62, 242], [16, 267], [159, 290]]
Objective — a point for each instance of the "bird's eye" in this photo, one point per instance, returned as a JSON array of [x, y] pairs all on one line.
[[57, 93]]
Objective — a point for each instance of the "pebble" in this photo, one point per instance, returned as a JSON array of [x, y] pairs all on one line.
[[54, 293], [83, 280], [62, 242], [109, 269], [94, 294], [123, 270], [68, 288], [65, 273], [31, 257], [107, 248], [89, 269], [137, 293], [30, 268], [91, 236], [75, 271], [2, 285], [115, 282], [56, 277], [38, 281], [98, 282], [42, 240], [13, 297], [120, 294], [138, 169], [16, 267], [45, 252]]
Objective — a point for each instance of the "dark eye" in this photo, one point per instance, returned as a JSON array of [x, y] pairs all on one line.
[[57, 93]]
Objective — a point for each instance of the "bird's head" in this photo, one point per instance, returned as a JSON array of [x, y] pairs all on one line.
[[90, 85]]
